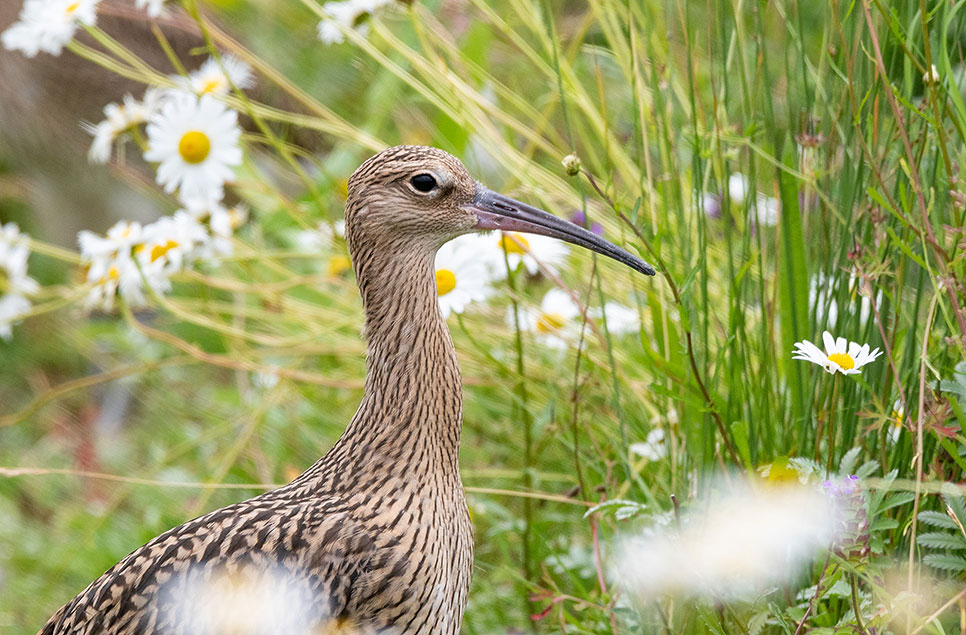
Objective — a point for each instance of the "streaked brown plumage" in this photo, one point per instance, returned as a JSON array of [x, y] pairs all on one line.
[[375, 537]]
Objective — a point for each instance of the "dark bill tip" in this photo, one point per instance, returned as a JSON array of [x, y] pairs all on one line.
[[496, 211]]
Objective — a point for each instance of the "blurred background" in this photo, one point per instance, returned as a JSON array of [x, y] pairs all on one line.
[[790, 167]]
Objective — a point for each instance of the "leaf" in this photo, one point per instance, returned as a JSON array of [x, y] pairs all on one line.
[[946, 562], [941, 540], [847, 464], [621, 509], [937, 519], [956, 385]]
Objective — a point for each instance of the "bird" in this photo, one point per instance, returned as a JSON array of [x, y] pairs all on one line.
[[375, 537]]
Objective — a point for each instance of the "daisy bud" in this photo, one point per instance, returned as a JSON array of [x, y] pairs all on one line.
[[571, 164]]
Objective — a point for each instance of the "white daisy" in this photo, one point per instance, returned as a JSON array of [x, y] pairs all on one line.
[[620, 319], [15, 284], [118, 119], [347, 14], [554, 323], [195, 141], [169, 244], [214, 78], [111, 269], [532, 250], [464, 272], [155, 8], [223, 223], [48, 25], [653, 448], [896, 422], [840, 354], [322, 237]]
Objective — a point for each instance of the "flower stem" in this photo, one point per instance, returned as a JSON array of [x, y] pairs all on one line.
[[856, 607]]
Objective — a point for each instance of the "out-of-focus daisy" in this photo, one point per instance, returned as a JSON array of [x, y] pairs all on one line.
[[195, 142], [620, 319], [736, 545], [896, 422], [531, 249], [653, 448], [214, 78], [464, 273], [155, 8], [553, 323], [15, 284], [48, 25], [764, 210], [169, 244], [839, 355], [110, 265], [348, 14], [118, 119], [320, 237]]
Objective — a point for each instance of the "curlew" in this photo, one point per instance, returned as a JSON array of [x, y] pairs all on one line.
[[374, 537]]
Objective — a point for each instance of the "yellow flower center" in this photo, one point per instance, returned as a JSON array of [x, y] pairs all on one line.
[[4, 282], [160, 250], [210, 86], [72, 7], [514, 244], [842, 359], [112, 275], [550, 322], [339, 265], [194, 146], [445, 281]]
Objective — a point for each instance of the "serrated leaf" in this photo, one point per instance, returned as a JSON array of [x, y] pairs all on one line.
[[895, 500], [946, 562], [621, 509], [847, 464], [940, 540], [936, 519]]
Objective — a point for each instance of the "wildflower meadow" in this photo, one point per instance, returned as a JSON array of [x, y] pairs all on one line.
[[768, 436]]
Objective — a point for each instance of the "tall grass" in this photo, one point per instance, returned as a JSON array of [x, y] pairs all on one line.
[[822, 108]]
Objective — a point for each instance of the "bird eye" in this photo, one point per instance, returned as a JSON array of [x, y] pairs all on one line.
[[423, 182]]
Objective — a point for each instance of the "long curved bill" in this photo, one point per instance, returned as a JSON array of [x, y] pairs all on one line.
[[496, 211]]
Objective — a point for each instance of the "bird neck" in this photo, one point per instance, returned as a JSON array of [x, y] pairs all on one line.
[[408, 424]]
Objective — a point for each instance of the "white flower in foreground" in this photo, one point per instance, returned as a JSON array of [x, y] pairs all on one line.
[[348, 14], [214, 78], [654, 448], [118, 119], [840, 354], [15, 284], [555, 321], [48, 25], [154, 8], [464, 272], [532, 250], [737, 545], [246, 600], [195, 141]]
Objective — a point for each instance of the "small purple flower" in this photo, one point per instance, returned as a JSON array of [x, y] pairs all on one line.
[[851, 519], [580, 218]]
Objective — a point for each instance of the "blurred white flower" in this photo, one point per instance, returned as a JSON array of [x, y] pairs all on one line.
[[224, 222], [653, 448], [347, 14], [738, 188], [762, 209], [155, 8], [620, 319], [840, 354], [321, 237], [110, 265], [931, 76], [896, 422], [531, 249], [736, 545], [15, 284], [214, 78], [118, 119], [168, 245], [195, 142], [247, 600], [48, 25], [554, 322], [465, 269]]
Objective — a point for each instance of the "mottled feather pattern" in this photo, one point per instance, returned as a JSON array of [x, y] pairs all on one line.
[[376, 534]]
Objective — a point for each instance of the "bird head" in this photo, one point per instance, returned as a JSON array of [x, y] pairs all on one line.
[[418, 194]]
